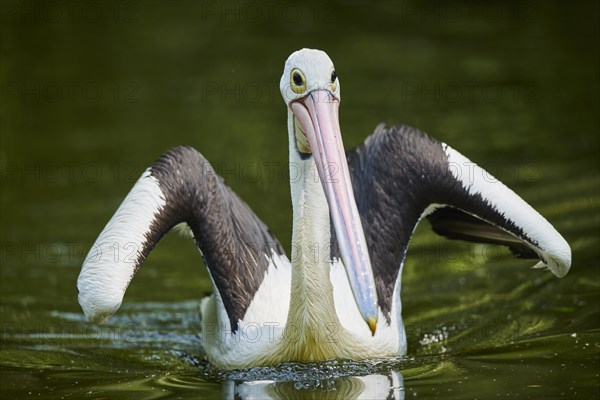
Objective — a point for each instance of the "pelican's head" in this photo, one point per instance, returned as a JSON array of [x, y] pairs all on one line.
[[311, 90], [309, 77], [307, 70]]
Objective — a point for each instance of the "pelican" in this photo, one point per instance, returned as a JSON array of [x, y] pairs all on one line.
[[353, 217]]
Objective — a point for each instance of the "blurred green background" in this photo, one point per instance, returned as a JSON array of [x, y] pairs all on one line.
[[93, 91]]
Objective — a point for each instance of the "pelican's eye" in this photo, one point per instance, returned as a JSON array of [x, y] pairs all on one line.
[[333, 81], [297, 81]]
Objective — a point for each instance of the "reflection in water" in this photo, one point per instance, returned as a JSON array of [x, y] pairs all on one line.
[[376, 386]]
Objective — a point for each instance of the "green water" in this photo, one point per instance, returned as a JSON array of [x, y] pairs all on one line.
[[93, 92]]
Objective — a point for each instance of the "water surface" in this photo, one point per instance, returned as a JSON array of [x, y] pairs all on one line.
[[93, 92]]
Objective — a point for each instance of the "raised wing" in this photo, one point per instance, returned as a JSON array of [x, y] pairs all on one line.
[[181, 186], [401, 175]]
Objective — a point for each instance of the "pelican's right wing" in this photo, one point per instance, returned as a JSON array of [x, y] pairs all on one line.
[[181, 186], [401, 175]]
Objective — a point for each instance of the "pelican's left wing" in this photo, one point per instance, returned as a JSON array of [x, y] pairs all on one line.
[[401, 175]]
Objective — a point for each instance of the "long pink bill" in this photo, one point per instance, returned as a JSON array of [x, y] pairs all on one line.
[[317, 114]]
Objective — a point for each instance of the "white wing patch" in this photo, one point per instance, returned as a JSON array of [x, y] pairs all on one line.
[[552, 246], [113, 259], [262, 327]]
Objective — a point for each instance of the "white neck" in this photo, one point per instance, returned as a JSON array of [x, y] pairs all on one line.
[[311, 303]]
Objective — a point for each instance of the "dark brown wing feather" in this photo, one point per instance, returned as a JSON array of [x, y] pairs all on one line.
[[456, 224]]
